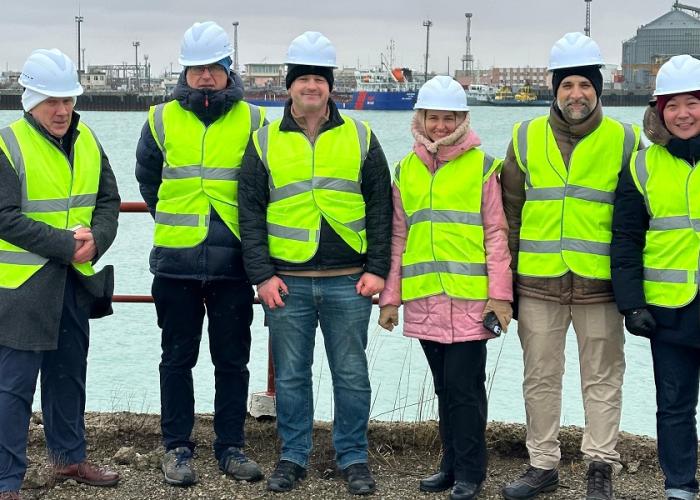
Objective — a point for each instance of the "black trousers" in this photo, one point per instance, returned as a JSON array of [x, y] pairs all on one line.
[[181, 305], [459, 375], [677, 376]]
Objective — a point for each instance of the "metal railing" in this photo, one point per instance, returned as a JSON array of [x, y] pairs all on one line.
[[140, 207]]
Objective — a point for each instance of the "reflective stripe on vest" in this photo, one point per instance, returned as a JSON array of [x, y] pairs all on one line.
[[52, 191], [444, 251], [309, 181], [671, 190], [567, 216], [200, 170]]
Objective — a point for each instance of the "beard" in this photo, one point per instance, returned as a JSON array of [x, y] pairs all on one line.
[[576, 115]]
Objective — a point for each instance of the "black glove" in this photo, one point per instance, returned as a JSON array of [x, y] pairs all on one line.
[[640, 322]]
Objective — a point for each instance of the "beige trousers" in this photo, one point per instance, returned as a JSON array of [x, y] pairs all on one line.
[[542, 328]]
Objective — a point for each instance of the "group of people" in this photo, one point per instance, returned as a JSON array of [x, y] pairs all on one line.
[[579, 224]]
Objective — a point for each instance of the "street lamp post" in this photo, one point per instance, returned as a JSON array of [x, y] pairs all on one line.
[[147, 73], [427, 23], [136, 48], [235, 45], [79, 20]]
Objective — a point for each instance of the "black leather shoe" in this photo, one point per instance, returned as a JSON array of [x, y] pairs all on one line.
[[533, 482], [464, 490], [359, 479], [285, 476], [599, 481], [437, 482]]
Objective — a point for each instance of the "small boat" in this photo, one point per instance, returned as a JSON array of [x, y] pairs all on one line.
[[480, 95], [526, 96]]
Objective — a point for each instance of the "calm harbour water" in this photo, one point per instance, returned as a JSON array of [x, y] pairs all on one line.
[[125, 347]]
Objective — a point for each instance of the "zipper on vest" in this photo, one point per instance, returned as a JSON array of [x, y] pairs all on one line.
[[201, 183], [432, 236], [313, 174]]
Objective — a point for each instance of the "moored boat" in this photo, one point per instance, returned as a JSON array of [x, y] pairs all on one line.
[[383, 90]]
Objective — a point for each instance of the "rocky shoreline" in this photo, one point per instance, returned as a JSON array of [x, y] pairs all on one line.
[[400, 454]]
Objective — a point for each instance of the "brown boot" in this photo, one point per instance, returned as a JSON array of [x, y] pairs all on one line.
[[10, 495]]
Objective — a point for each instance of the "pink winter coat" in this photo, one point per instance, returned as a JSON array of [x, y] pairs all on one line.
[[440, 318]]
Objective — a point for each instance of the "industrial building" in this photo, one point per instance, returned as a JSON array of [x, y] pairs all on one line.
[[675, 32]]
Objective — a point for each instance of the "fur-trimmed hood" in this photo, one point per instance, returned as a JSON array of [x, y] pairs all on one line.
[[654, 127]]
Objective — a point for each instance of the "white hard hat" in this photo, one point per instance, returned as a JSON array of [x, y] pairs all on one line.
[[678, 74], [573, 50], [311, 48], [50, 72], [442, 93], [204, 43]]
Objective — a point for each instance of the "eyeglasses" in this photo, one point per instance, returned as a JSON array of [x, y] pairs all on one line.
[[213, 69]]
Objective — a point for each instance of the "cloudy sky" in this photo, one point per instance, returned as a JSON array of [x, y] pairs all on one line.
[[504, 32]]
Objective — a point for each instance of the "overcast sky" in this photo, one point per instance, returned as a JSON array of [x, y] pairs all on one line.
[[504, 32]]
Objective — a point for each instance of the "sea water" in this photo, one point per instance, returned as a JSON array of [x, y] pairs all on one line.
[[125, 347]]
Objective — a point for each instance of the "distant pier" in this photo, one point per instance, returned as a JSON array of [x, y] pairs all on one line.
[[94, 101], [131, 101]]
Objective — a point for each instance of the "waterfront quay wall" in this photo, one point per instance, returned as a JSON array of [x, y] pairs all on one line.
[[93, 101], [131, 101]]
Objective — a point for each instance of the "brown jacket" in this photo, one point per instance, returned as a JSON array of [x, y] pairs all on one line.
[[569, 288]]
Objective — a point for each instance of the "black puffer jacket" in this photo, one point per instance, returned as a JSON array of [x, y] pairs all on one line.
[[219, 256], [630, 224], [333, 252]]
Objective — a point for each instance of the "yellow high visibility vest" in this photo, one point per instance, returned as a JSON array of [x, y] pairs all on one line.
[[200, 170], [671, 190], [53, 192], [567, 216], [445, 245], [309, 181]]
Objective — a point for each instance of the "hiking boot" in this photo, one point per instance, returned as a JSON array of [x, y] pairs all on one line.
[[177, 467], [359, 479], [464, 490], [234, 463], [533, 482], [10, 495], [437, 482], [285, 476], [599, 481]]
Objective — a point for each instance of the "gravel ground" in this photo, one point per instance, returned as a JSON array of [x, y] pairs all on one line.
[[400, 454]]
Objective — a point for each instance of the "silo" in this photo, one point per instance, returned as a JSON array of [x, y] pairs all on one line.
[[675, 32]]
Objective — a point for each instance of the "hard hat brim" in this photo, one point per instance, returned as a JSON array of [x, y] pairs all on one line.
[[308, 62], [201, 62], [673, 92], [418, 106], [565, 66], [56, 93]]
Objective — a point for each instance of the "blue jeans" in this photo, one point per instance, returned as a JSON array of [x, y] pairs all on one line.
[[677, 374], [62, 395], [343, 316]]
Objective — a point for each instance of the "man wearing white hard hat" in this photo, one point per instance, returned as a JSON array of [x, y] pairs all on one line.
[[187, 165], [559, 179], [655, 252], [316, 225], [58, 215]]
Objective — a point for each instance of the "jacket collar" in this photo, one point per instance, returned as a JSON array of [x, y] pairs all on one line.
[[64, 143], [289, 124], [561, 126], [208, 105]]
